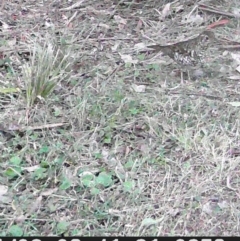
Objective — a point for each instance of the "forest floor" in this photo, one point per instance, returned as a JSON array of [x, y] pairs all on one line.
[[120, 146]]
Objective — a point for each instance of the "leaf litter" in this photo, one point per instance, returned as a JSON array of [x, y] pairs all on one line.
[[167, 145]]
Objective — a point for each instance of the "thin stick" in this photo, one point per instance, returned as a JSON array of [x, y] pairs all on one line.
[[206, 8]]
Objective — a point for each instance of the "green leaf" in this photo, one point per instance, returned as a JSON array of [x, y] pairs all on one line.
[[128, 186], [104, 178], [15, 160], [107, 140], [44, 149], [98, 155], [40, 173], [15, 230], [58, 161], [44, 164], [156, 66], [134, 111], [13, 172], [129, 164], [150, 221], [141, 56], [66, 183], [88, 180], [62, 227], [95, 191], [76, 232]]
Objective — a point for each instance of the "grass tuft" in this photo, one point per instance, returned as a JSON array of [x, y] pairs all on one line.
[[47, 69]]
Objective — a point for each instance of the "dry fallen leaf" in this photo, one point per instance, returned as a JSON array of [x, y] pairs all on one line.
[[235, 104], [49, 192], [4, 198], [236, 57], [106, 26], [207, 208], [139, 88], [238, 69], [120, 20], [3, 190], [4, 25], [32, 168], [234, 77], [223, 204], [36, 205], [193, 19], [139, 26], [114, 48], [166, 10], [128, 59]]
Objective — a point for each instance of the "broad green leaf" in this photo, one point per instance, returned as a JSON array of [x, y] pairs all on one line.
[[15, 230], [105, 179], [128, 186], [15, 160], [40, 173], [12, 172], [88, 180], [62, 227], [66, 183]]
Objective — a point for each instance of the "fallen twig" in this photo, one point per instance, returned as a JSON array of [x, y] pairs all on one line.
[[21, 129], [230, 47], [206, 8], [75, 5]]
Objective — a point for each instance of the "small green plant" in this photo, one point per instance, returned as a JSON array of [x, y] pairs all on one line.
[[47, 68], [65, 184], [62, 227], [15, 230], [14, 170], [40, 173]]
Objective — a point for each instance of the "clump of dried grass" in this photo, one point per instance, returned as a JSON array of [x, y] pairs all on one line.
[[47, 68]]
